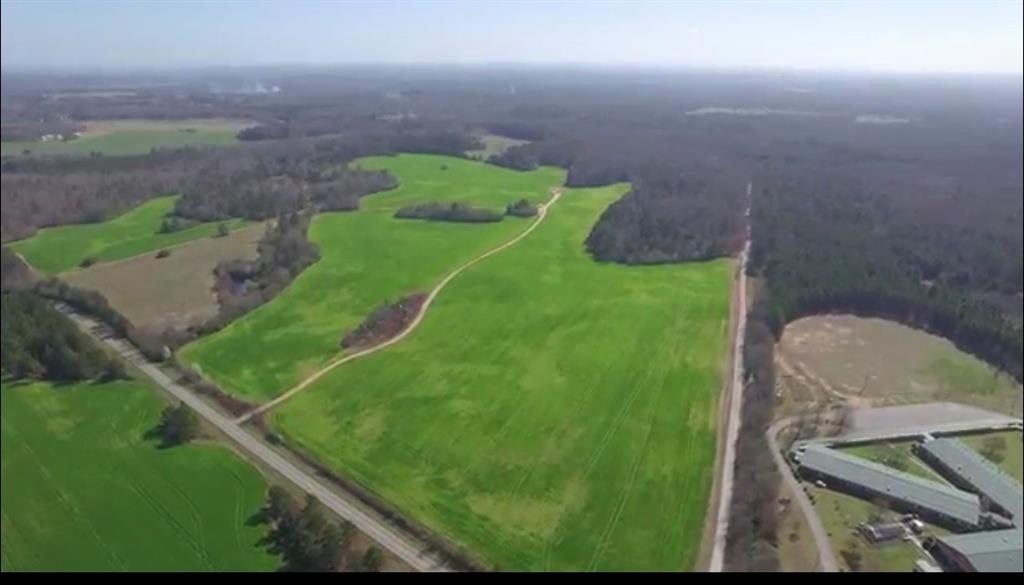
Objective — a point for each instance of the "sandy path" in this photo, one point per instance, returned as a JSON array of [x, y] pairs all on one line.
[[734, 410]]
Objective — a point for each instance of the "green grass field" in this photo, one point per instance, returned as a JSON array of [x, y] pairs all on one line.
[[138, 138], [425, 178], [551, 413], [83, 491], [59, 249], [898, 455], [841, 514], [1012, 458], [368, 258]]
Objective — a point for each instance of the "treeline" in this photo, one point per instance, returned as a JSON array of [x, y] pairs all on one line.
[[283, 253], [454, 212], [309, 540], [178, 425], [753, 537], [95, 305], [676, 211], [267, 180], [667, 220], [521, 208], [37, 195], [30, 130], [14, 273], [37, 342], [826, 243]]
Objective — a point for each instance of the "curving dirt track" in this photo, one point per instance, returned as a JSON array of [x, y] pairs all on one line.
[[541, 214]]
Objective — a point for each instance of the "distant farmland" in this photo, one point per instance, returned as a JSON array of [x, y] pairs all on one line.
[[127, 137], [494, 144], [551, 413], [425, 178], [59, 249], [368, 258], [83, 491]]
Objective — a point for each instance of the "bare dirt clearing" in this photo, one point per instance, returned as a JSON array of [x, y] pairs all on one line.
[[872, 362], [175, 291]]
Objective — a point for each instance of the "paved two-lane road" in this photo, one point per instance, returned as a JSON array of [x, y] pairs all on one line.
[[399, 544]]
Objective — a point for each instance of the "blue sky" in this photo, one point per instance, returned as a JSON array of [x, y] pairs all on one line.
[[866, 35]]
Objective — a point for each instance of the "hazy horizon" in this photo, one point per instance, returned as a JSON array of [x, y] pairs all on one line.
[[924, 37]]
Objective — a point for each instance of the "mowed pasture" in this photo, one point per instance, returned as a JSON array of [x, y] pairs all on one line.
[[60, 249], [129, 137], [367, 258], [176, 291], [84, 491], [551, 412]]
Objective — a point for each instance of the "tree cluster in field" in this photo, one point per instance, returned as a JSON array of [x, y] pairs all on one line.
[[309, 540], [178, 425], [89, 302], [453, 212], [40, 343], [385, 322], [521, 208], [172, 224], [676, 211]]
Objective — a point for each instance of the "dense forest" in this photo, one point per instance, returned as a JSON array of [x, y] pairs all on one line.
[[45, 193], [828, 243], [37, 342]]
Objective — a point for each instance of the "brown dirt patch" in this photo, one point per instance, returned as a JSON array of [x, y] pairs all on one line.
[[176, 291], [873, 362]]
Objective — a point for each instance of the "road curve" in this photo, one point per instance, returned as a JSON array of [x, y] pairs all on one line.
[[542, 212], [733, 419], [826, 557], [398, 544]]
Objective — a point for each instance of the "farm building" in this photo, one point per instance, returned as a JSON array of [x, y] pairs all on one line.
[[967, 469], [882, 532], [938, 503], [984, 552]]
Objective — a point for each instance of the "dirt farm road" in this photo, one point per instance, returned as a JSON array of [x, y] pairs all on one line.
[[826, 557], [735, 405], [542, 212]]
